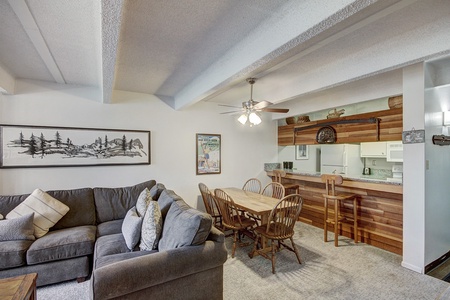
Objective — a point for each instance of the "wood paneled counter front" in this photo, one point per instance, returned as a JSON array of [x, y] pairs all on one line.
[[380, 213]]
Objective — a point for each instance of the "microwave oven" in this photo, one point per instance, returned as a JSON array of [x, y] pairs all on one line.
[[394, 151]]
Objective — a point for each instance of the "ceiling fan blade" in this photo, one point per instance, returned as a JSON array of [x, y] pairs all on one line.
[[229, 105], [276, 110], [231, 112], [262, 104]]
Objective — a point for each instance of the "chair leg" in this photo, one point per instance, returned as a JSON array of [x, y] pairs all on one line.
[[234, 242], [336, 213], [255, 246], [355, 220], [295, 250], [273, 257], [325, 226]]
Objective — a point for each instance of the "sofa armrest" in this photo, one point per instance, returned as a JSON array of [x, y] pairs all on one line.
[[216, 235], [134, 274]]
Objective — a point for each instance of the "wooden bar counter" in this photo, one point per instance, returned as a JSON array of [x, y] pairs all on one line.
[[380, 213]]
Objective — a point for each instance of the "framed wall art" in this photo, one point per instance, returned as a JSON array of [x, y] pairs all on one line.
[[301, 152], [41, 146], [208, 153]]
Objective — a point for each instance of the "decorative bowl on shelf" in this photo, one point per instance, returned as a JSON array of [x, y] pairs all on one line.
[[291, 120], [395, 102], [303, 119]]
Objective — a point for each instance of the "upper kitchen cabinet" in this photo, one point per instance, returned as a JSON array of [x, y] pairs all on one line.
[[373, 149]]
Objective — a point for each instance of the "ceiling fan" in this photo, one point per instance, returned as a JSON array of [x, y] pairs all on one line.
[[251, 107]]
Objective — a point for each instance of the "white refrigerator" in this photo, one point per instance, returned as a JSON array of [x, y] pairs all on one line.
[[341, 159]]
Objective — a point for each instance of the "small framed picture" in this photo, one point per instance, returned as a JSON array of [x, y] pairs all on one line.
[[208, 153], [301, 152]]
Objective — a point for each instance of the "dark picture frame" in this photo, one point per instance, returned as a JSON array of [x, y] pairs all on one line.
[[23, 146], [208, 153]]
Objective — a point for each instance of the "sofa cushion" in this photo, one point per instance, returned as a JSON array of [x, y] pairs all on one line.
[[156, 190], [184, 226], [8, 203], [13, 253], [113, 203], [131, 228], [21, 228], [110, 227], [62, 244], [143, 201], [81, 204], [165, 200], [47, 211], [112, 248], [151, 227]]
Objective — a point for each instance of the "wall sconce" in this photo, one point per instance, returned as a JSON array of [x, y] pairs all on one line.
[[441, 140]]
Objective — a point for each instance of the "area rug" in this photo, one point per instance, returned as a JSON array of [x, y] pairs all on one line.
[[350, 271]]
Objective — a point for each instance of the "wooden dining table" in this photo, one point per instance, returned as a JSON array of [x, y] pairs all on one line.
[[257, 204]]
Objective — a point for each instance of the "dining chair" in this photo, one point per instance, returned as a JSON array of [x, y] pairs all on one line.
[[280, 227], [211, 206], [331, 180], [252, 185], [232, 219], [278, 177], [274, 190]]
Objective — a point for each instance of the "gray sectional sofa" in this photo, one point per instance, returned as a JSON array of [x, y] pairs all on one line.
[[88, 241]]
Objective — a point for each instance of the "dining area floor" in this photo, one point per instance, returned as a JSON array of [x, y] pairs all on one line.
[[350, 271]]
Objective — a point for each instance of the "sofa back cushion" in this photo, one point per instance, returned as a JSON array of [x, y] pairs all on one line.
[[165, 200], [8, 203], [81, 204], [184, 226], [113, 203]]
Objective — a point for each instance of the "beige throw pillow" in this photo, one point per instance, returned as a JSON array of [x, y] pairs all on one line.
[[47, 211]]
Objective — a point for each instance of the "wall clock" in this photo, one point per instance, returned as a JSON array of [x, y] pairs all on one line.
[[326, 135]]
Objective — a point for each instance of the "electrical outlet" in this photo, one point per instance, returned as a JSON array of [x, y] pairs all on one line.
[[374, 162]]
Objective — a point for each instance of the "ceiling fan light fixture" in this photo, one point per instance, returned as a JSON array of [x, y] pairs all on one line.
[[243, 119], [254, 118]]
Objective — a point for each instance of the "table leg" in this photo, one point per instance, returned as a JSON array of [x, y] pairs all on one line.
[[336, 213], [325, 224]]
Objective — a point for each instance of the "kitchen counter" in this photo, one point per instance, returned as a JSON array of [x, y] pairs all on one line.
[[380, 208]]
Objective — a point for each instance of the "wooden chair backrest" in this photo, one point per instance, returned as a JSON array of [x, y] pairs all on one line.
[[252, 185], [278, 174], [274, 190], [283, 216], [208, 200], [229, 211], [331, 180]]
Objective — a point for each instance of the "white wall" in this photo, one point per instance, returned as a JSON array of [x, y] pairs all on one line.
[[244, 149], [414, 170]]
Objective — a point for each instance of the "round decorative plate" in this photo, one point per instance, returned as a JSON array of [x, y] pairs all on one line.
[[326, 135]]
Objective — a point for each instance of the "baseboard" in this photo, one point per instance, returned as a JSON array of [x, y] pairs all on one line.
[[412, 267], [437, 262]]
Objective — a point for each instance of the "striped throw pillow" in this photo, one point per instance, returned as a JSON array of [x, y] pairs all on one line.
[[47, 211]]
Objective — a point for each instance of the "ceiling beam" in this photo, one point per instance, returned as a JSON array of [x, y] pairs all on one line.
[[31, 28], [111, 21]]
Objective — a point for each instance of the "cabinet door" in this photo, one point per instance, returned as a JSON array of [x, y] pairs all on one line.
[[373, 149]]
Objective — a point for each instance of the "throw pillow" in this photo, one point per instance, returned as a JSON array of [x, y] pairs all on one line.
[[143, 202], [47, 211], [17, 229], [156, 190], [1, 217], [151, 227], [184, 226], [131, 228]]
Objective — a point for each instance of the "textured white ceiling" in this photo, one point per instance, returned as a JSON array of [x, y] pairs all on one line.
[[202, 50]]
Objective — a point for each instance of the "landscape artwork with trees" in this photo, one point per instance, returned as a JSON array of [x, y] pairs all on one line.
[[34, 146]]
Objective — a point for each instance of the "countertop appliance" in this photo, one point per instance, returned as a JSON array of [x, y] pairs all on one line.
[[341, 159], [366, 171], [397, 173]]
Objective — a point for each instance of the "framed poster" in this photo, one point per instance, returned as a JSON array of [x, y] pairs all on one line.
[[208, 153], [41, 146], [301, 152]]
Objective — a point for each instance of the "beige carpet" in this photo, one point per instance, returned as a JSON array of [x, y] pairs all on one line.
[[347, 272]]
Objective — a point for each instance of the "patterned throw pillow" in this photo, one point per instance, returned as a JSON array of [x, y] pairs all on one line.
[[143, 201], [17, 229], [131, 228], [151, 227], [47, 211]]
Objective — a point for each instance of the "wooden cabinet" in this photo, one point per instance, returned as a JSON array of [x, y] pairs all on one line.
[[373, 149]]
